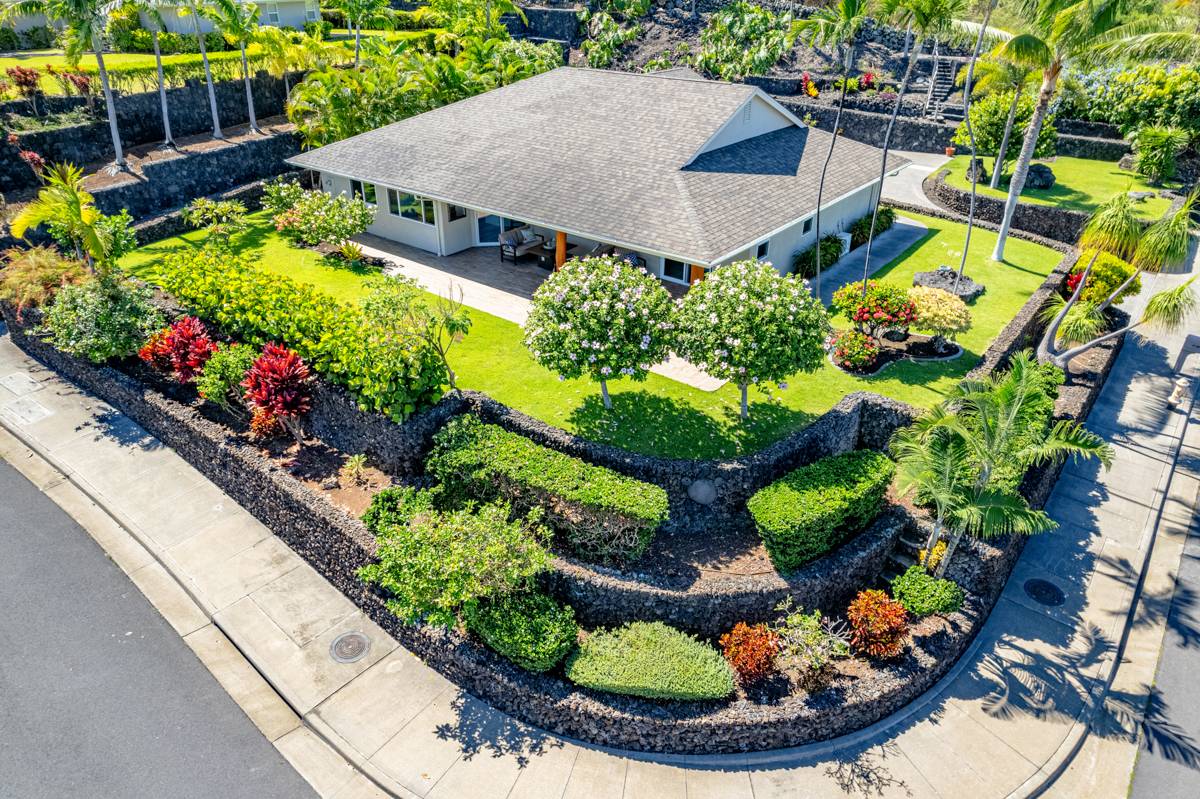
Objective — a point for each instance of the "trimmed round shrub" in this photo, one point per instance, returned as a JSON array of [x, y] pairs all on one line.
[[531, 630], [878, 624], [809, 511], [854, 351], [921, 594], [650, 660], [1107, 275], [750, 650], [939, 313]]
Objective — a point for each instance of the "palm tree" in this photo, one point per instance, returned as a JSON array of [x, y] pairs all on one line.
[[833, 25], [238, 22], [279, 53], [928, 18], [359, 11], [151, 9], [64, 201], [195, 10], [997, 75], [85, 22], [1170, 32]]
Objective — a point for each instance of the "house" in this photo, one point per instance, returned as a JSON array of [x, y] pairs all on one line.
[[278, 14], [679, 172]]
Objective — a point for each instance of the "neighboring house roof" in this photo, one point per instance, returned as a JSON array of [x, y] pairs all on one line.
[[615, 156]]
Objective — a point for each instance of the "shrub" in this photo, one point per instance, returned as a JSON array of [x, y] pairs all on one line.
[[744, 39], [1156, 152], [814, 508], [393, 375], [989, 115], [600, 318], [939, 552], [320, 218], [279, 385], [530, 629], [222, 219], [31, 277], [878, 624], [605, 39], [183, 348], [220, 381], [748, 324], [921, 594], [650, 660], [750, 651], [1148, 94], [434, 564], [809, 643], [105, 317], [39, 37], [281, 194], [886, 306], [1107, 275], [397, 506], [938, 312], [804, 263], [854, 351], [602, 515], [860, 227], [9, 40], [354, 470]]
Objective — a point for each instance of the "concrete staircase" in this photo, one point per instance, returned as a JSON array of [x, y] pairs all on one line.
[[944, 71], [905, 554]]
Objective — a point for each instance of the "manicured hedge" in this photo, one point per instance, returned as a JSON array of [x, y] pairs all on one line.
[[922, 594], [601, 514], [809, 511], [531, 630], [386, 374], [651, 660]]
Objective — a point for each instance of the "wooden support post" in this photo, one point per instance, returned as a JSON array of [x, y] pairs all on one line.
[[560, 250], [695, 274]]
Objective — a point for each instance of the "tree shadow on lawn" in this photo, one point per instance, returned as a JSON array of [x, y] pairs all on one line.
[[643, 421]]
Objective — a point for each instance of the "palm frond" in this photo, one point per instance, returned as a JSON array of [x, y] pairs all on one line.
[[1113, 227], [994, 513], [1165, 243], [1070, 439], [1170, 310], [1026, 49]]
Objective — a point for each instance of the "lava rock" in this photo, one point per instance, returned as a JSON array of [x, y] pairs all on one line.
[[1040, 177], [943, 278], [976, 166], [702, 491]]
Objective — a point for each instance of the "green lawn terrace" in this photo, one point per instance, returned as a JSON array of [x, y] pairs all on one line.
[[662, 416], [1081, 184]]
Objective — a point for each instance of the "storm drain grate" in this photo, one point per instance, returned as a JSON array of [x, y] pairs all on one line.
[[1044, 592], [349, 647]]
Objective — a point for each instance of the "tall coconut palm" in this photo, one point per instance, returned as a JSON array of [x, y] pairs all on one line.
[[359, 11], [195, 10], [238, 23], [836, 25], [64, 201], [151, 9], [85, 21], [995, 75], [928, 18], [1171, 32]]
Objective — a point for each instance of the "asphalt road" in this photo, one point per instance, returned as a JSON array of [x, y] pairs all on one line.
[[99, 697]]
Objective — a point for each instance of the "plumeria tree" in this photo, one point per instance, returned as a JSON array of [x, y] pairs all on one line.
[[750, 325], [600, 318]]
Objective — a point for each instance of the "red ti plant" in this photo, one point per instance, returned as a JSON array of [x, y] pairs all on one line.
[[34, 161], [278, 386], [28, 82], [183, 348]]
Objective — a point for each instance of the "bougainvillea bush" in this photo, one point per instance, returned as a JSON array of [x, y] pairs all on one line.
[[601, 318], [750, 325], [321, 218], [279, 387], [750, 651], [878, 625], [884, 306], [940, 314], [853, 351], [183, 349]]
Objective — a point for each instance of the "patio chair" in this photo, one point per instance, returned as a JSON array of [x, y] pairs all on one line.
[[518, 241], [631, 258]]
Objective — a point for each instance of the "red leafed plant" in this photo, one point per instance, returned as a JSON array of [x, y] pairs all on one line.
[[278, 385], [1073, 282], [878, 624], [33, 160], [262, 424], [182, 348], [750, 651]]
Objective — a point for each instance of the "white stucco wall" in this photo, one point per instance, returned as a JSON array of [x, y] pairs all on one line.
[[835, 218], [397, 228], [754, 118], [24, 22], [458, 235]]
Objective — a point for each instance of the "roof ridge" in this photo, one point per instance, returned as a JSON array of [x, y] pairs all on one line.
[[658, 74]]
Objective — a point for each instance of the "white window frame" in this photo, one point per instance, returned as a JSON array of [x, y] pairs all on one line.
[[686, 271], [271, 11], [312, 10], [426, 206], [361, 192]]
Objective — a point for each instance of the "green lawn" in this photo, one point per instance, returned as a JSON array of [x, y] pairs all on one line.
[[1081, 185], [662, 416]]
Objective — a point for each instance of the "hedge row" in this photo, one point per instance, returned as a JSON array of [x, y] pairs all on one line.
[[530, 629], [602, 515], [392, 376], [809, 511]]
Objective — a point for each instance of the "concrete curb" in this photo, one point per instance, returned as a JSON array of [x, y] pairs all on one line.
[[305, 746]]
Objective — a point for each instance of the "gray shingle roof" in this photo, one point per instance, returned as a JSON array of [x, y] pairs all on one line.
[[605, 154]]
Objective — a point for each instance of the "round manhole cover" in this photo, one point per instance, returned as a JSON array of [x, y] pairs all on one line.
[[1044, 592], [349, 647]]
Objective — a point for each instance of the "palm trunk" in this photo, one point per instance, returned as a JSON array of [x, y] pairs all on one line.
[[744, 388], [1047, 348], [951, 545], [1021, 169], [887, 141], [1063, 359], [168, 139], [998, 164], [962, 265], [934, 535], [212, 92], [604, 394], [119, 160], [907, 40], [837, 121], [357, 41], [249, 92]]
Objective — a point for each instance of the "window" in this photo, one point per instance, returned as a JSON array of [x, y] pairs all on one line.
[[272, 15], [312, 10], [676, 270], [807, 226], [761, 252], [457, 212], [363, 191], [410, 206]]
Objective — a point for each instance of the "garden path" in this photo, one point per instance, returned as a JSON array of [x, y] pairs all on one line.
[[887, 247], [1005, 721], [904, 185]]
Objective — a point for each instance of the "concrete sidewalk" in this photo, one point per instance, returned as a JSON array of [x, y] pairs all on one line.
[[1005, 721]]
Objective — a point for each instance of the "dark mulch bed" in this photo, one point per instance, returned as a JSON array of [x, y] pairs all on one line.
[[914, 347]]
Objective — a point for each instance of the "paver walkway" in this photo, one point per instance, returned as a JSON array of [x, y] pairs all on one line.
[[887, 247], [999, 724]]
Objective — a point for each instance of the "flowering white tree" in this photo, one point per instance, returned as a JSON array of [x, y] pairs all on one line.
[[602, 318], [748, 324]]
